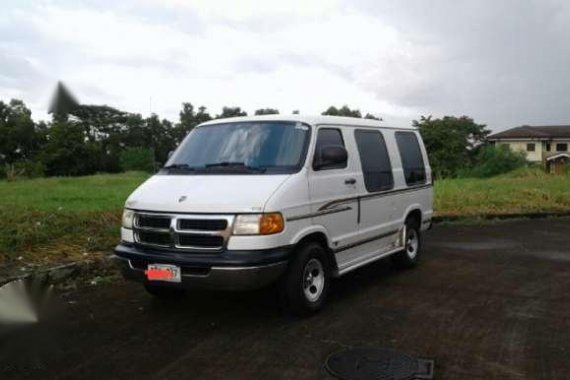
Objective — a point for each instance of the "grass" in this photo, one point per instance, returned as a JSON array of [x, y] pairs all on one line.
[[102, 192], [63, 219], [521, 191]]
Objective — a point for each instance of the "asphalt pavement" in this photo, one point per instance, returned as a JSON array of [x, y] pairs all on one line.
[[487, 302]]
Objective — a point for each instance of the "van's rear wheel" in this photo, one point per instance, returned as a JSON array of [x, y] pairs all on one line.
[[409, 256], [304, 287]]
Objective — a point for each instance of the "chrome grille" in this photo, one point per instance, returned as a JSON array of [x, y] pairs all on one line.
[[183, 232], [203, 224], [152, 221]]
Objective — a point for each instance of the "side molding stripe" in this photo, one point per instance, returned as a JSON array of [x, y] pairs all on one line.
[[373, 195], [356, 244], [318, 213], [329, 208]]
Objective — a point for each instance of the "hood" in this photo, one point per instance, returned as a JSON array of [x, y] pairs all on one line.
[[205, 193]]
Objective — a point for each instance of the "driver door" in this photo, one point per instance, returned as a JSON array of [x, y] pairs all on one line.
[[332, 190]]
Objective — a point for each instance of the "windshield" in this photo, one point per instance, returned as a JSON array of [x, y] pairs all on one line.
[[246, 147]]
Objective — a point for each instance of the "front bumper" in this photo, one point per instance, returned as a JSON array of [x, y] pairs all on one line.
[[226, 270]]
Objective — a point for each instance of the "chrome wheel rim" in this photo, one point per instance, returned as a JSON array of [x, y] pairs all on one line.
[[412, 243], [313, 280]]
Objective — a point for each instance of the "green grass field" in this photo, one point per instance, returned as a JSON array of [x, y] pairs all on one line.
[[522, 191], [62, 219]]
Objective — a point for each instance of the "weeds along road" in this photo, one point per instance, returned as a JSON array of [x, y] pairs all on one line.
[[487, 302]]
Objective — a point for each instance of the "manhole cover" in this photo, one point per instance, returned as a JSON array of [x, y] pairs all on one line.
[[377, 364]]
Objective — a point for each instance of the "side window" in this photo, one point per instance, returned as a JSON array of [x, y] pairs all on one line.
[[328, 137], [375, 161], [412, 160]]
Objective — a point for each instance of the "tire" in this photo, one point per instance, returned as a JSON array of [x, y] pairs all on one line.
[[409, 256], [164, 292], [304, 286]]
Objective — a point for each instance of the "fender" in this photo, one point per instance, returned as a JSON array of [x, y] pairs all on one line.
[[409, 209], [311, 230]]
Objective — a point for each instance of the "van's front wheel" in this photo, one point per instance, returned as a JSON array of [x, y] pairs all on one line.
[[304, 287]]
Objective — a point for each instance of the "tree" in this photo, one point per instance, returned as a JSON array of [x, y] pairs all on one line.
[[231, 112], [105, 129], [450, 142], [68, 150], [266, 111], [343, 111], [189, 119], [20, 137], [141, 159], [160, 137], [372, 117], [494, 160]]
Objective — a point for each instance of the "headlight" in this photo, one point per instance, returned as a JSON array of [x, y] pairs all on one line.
[[259, 224], [128, 216]]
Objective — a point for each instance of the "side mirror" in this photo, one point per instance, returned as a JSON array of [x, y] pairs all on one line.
[[170, 154], [330, 156]]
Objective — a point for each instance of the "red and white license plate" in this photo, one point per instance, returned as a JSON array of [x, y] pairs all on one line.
[[163, 272]]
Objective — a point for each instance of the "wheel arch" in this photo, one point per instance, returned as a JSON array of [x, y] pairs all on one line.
[[415, 212], [318, 234]]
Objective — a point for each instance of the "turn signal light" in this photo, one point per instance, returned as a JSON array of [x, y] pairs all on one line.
[[271, 223]]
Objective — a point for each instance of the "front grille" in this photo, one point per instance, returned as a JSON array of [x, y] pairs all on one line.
[[200, 241], [155, 238], [203, 224], [183, 232], [151, 221]]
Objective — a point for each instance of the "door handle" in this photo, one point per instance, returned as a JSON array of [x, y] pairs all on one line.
[[349, 181]]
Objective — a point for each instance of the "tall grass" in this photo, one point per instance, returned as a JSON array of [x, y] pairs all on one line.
[[520, 191]]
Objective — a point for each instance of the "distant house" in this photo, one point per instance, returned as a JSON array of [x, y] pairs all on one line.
[[545, 144]]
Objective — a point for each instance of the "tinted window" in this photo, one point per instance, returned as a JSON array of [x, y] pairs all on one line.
[[375, 161], [327, 137], [412, 160]]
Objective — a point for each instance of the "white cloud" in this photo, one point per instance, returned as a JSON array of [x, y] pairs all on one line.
[[308, 66], [503, 65], [244, 9]]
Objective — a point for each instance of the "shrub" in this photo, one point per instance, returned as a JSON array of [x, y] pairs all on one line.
[[137, 159], [22, 169], [492, 161], [529, 171]]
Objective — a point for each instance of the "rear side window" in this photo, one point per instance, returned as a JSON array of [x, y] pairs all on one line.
[[328, 136], [412, 159], [375, 161]]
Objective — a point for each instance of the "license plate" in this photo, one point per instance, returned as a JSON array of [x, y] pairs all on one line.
[[163, 272]]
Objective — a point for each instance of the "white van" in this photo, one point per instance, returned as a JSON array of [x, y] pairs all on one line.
[[249, 201]]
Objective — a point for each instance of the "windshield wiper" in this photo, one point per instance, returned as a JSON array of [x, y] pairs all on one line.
[[179, 167], [239, 165]]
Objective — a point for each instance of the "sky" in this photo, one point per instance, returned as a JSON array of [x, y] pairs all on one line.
[[503, 62]]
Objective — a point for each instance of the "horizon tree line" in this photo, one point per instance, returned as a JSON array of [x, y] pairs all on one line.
[[84, 139]]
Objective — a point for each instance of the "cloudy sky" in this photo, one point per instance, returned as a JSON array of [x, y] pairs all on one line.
[[505, 63]]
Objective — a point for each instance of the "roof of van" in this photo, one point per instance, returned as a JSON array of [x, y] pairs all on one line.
[[313, 120]]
